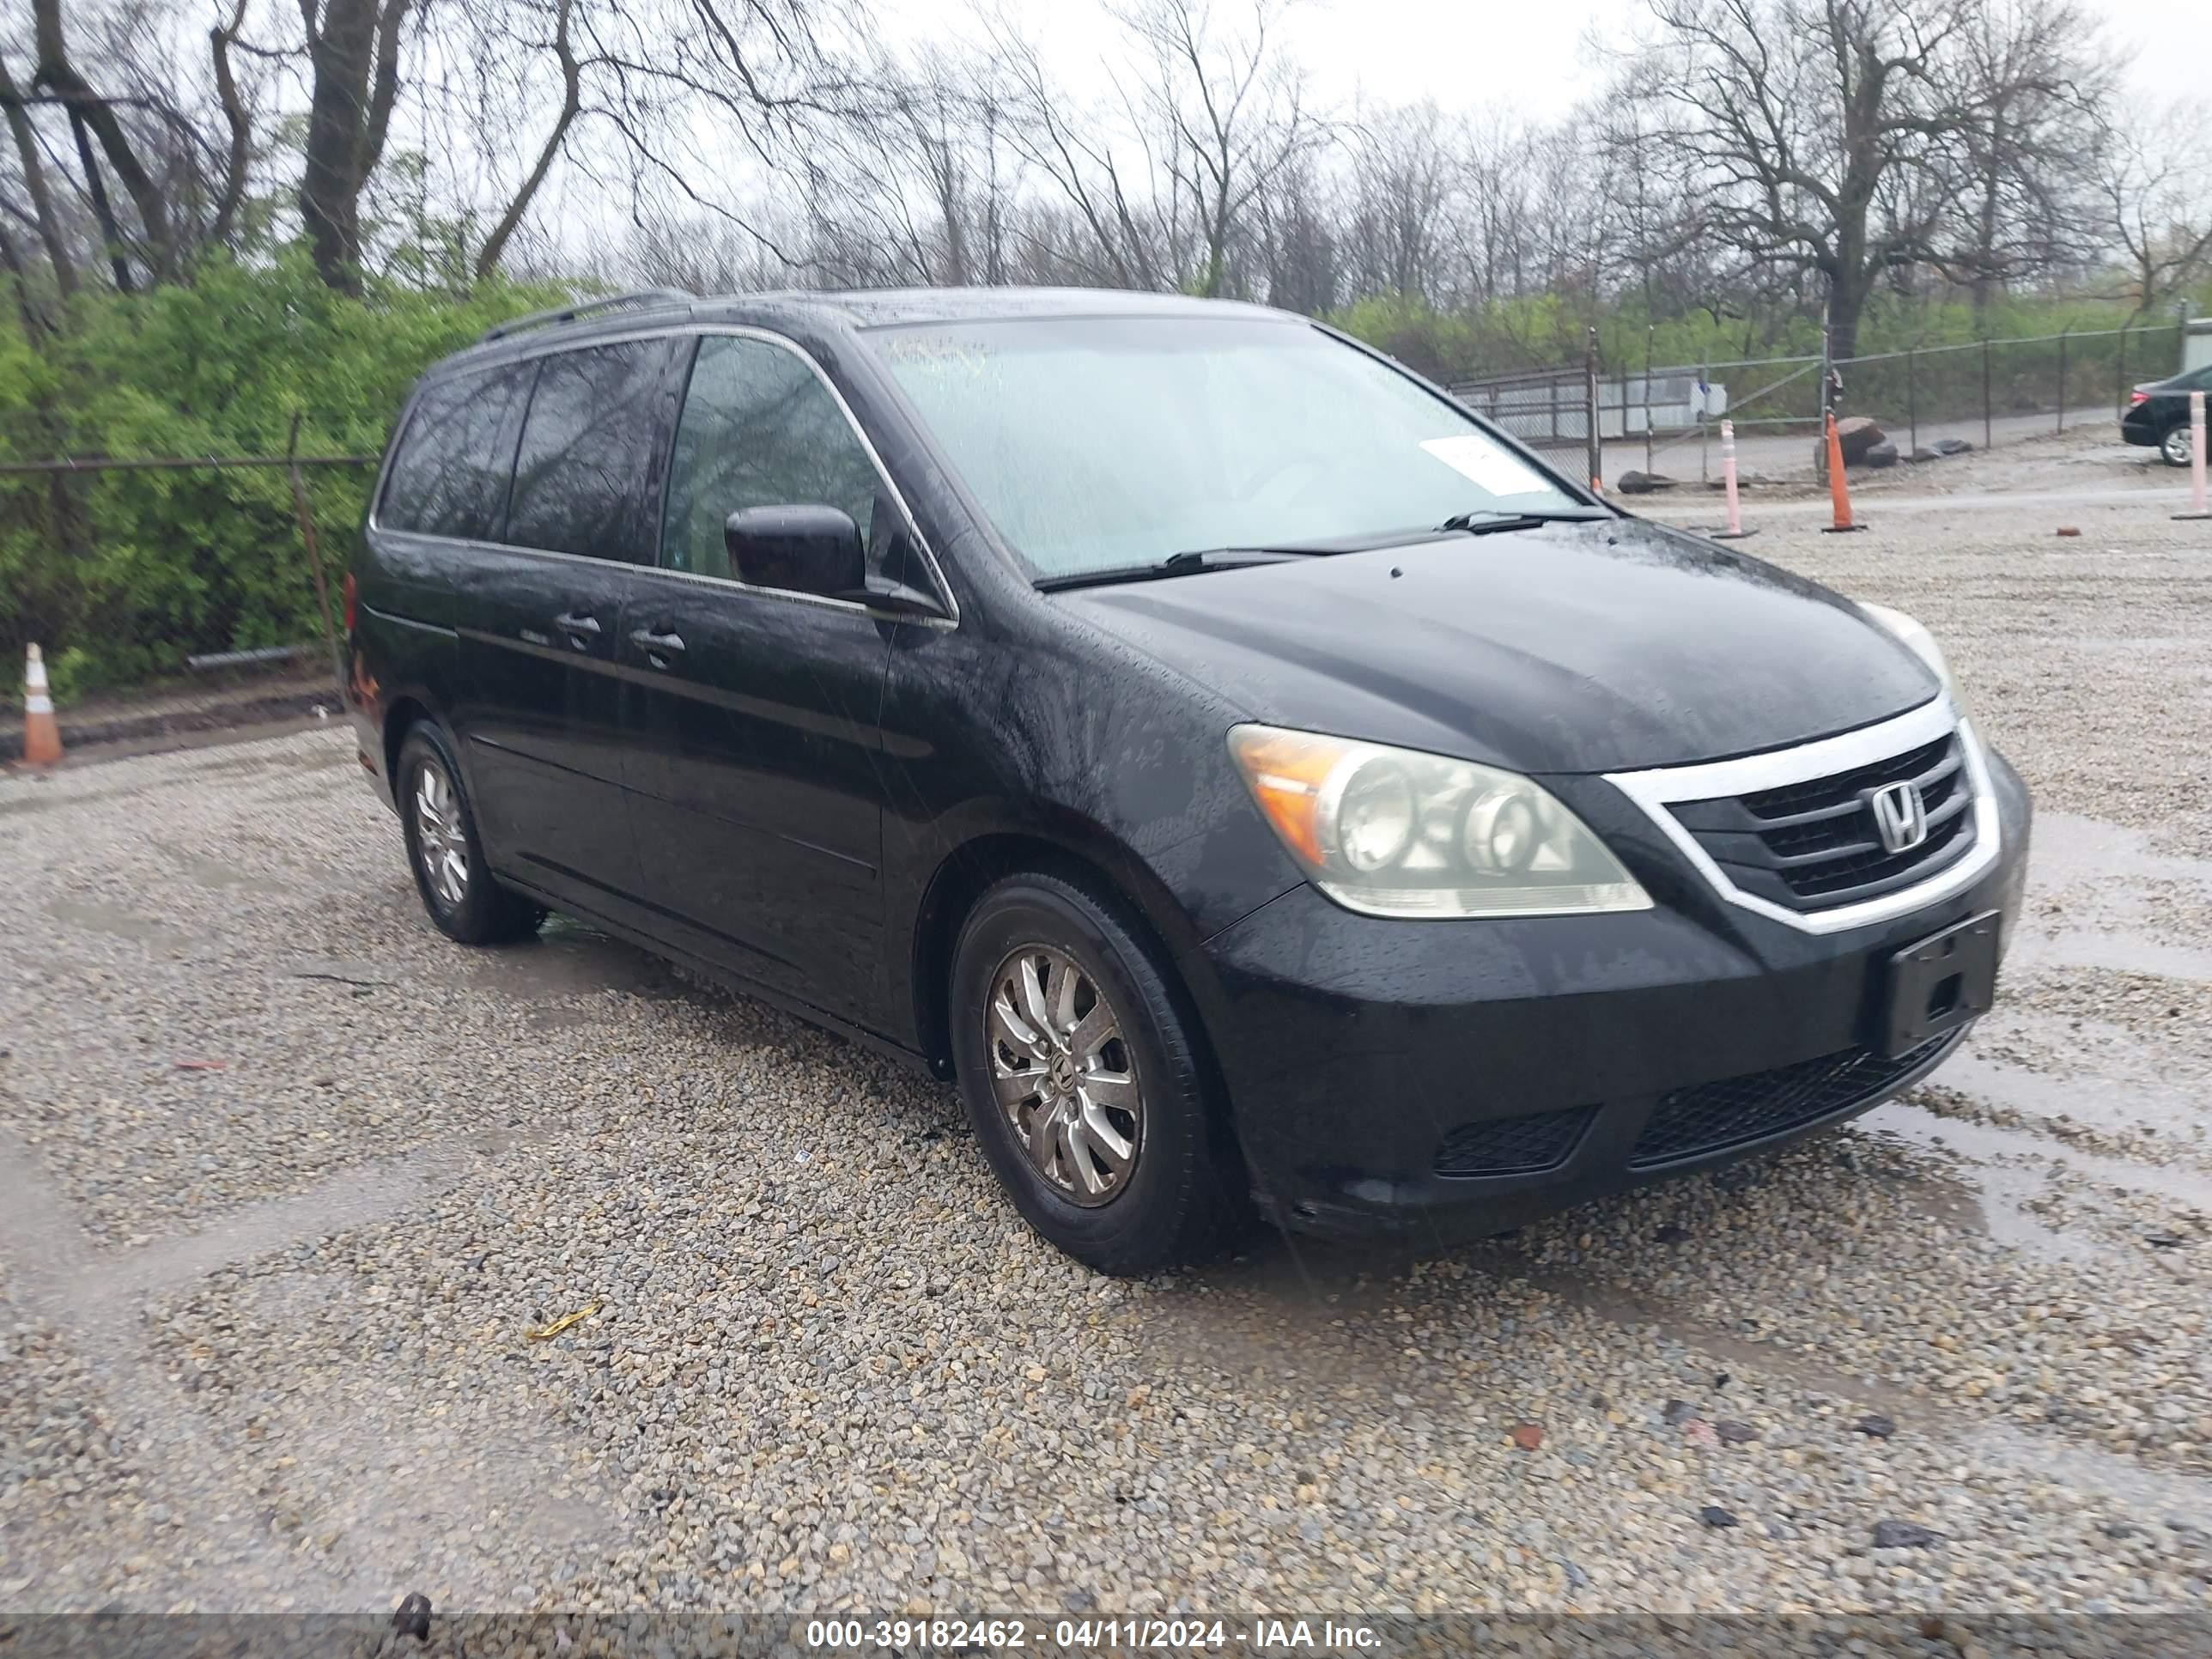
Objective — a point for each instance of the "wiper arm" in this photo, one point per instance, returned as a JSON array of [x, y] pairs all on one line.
[[1477, 519], [1187, 562]]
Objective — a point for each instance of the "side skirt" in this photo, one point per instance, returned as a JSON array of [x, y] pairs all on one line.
[[725, 977]]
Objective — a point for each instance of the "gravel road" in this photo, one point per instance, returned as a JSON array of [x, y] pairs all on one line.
[[287, 1180]]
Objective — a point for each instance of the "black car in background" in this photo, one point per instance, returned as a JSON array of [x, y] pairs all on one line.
[[1251, 777], [2158, 414]]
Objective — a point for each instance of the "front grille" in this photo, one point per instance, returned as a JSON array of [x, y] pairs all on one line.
[[1513, 1146], [1813, 845], [1711, 1117]]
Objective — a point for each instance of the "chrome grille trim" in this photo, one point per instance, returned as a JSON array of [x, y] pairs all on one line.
[[1657, 789]]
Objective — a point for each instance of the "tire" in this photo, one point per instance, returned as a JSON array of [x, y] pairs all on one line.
[[2173, 444], [1182, 1196], [462, 897]]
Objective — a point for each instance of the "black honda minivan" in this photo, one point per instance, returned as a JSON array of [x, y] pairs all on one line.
[[1252, 779]]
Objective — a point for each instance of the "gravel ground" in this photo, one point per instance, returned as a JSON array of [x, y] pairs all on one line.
[[267, 1328]]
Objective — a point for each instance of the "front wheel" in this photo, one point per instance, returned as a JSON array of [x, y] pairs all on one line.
[[458, 890], [1084, 1083], [2174, 448]]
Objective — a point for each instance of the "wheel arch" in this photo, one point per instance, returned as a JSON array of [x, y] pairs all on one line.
[[401, 714], [1083, 851]]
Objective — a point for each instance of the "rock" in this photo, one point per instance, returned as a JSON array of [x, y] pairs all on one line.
[[1858, 433], [2069, 530], [1881, 455], [1733, 1433], [1875, 1424], [1925, 454], [1677, 1412], [1670, 1234], [2120, 1529], [1699, 1433], [1718, 1518], [1527, 1436], [1633, 483], [1903, 1536], [1952, 447], [1576, 1578], [412, 1616]]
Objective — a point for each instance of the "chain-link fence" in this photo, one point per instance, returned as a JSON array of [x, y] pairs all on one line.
[[173, 594], [1667, 419]]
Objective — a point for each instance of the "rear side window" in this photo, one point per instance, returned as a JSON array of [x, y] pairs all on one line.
[[580, 476], [759, 429], [450, 470]]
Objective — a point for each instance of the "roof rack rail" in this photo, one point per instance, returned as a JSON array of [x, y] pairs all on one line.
[[639, 296]]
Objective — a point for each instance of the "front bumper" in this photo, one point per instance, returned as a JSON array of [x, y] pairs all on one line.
[[1563, 1057]]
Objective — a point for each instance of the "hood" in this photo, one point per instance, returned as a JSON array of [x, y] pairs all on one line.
[[1608, 645]]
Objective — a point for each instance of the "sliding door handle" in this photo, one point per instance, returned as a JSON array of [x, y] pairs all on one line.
[[658, 647]]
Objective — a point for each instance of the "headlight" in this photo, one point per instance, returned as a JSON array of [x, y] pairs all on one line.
[[1920, 643], [1393, 832]]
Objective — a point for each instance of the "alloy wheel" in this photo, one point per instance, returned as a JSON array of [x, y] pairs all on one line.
[[2176, 446], [441, 844], [1064, 1075]]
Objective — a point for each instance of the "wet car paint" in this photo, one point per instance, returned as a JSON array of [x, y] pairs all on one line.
[[1091, 726]]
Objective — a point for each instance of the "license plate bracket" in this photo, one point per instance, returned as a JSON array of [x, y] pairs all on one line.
[[1938, 984]]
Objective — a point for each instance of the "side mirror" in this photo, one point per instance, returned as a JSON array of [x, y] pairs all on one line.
[[808, 549]]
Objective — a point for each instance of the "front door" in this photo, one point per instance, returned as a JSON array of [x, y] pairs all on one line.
[[540, 618], [756, 786]]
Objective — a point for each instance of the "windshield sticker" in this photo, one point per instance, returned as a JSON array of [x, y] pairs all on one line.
[[1486, 464]]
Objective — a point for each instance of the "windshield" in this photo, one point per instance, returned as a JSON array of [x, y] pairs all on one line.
[[1100, 443]]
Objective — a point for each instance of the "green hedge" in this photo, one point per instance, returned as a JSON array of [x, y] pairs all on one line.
[[121, 575]]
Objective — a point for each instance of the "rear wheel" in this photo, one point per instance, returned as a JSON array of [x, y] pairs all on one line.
[[457, 889], [1084, 1081], [2174, 448]]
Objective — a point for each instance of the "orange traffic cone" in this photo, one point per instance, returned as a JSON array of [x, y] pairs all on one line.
[[42, 739], [1840, 494]]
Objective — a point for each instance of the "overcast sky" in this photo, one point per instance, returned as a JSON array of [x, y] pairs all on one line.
[[1529, 55]]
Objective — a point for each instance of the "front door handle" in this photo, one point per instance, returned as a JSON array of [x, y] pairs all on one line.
[[658, 647], [581, 629]]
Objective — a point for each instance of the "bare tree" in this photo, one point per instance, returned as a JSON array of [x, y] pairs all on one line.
[[1810, 136], [353, 48], [1232, 106], [1404, 180], [32, 169], [2034, 77], [96, 119], [2157, 198]]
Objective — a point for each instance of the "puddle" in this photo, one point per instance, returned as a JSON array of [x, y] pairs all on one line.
[[568, 959], [2002, 1170], [117, 922], [2117, 952], [1313, 1316], [426, 1494], [255, 765], [2099, 1100], [204, 871], [52, 800], [1990, 1198]]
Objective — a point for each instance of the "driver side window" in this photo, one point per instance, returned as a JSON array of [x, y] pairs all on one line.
[[759, 428]]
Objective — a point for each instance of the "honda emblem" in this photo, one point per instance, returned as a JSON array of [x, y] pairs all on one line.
[[1900, 816]]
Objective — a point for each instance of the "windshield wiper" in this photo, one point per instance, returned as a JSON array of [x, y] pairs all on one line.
[[1190, 560], [1477, 519]]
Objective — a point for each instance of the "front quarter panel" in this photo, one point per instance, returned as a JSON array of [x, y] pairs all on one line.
[[1050, 731]]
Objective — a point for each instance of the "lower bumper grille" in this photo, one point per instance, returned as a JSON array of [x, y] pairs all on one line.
[[1711, 1117], [1513, 1146]]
